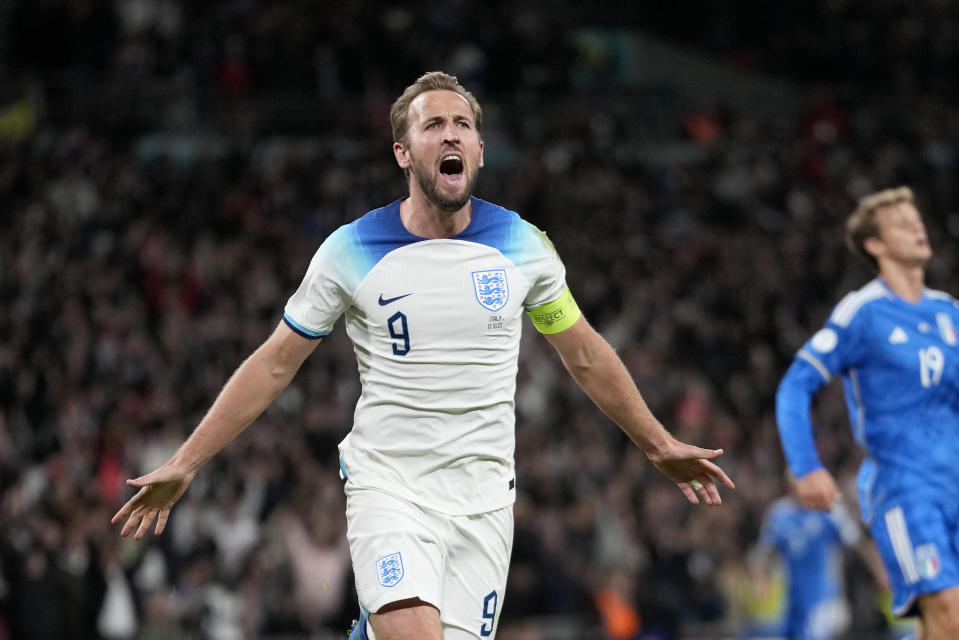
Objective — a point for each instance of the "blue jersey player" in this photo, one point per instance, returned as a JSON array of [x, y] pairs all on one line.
[[894, 343], [810, 545]]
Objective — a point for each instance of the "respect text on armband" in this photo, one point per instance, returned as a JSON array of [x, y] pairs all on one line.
[[548, 319]]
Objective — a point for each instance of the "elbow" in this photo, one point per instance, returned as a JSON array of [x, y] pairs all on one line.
[[281, 373], [579, 370], [579, 364], [272, 369]]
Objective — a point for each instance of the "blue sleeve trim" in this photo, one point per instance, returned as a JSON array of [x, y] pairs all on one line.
[[793, 416], [303, 331], [343, 474]]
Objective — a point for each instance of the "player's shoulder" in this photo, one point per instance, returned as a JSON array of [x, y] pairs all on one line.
[[492, 210], [488, 216], [357, 246], [504, 229], [369, 225], [375, 233], [855, 302], [379, 221], [940, 297]]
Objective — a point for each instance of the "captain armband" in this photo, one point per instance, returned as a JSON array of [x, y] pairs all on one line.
[[556, 316]]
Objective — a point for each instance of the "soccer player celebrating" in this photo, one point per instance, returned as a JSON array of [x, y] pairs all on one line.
[[433, 288], [895, 344]]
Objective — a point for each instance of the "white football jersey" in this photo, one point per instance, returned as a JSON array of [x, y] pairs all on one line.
[[435, 325]]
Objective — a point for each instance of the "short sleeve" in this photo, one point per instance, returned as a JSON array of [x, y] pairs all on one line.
[[541, 264], [325, 291]]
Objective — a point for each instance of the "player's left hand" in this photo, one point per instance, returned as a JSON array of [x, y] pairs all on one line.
[[693, 471]]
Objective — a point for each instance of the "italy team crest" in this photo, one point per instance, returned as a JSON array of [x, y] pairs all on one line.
[[492, 290], [946, 329], [927, 559], [389, 569]]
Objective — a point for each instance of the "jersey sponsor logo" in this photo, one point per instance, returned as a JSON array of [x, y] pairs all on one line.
[[927, 557], [491, 288], [946, 329], [825, 340], [898, 336], [385, 301], [389, 569]]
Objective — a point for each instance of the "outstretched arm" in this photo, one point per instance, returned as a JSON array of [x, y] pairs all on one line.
[[599, 371], [246, 394]]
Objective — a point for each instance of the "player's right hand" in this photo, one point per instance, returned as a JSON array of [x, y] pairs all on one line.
[[159, 490], [817, 490]]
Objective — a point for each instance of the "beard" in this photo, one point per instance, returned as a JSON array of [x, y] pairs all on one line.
[[448, 204]]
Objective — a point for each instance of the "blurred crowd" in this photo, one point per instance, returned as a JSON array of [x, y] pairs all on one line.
[[135, 274], [893, 46]]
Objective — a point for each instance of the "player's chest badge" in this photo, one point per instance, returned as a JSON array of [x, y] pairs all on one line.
[[491, 288], [946, 329]]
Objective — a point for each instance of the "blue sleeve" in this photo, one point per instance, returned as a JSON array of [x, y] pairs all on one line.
[[793, 401]]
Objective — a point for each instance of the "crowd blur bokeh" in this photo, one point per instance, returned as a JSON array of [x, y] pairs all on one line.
[[141, 261]]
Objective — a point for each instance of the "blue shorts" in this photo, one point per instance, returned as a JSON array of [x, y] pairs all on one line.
[[918, 539]]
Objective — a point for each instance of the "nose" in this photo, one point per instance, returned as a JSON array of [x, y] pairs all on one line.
[[450, 134]]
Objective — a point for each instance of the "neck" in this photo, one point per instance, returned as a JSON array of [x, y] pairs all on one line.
[[905, 282], [422, 218]]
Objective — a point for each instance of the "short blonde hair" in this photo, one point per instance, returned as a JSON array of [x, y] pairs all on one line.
[[862, 222], [431, 81]]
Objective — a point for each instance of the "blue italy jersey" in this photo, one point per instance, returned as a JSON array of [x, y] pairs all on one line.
[[810, 544], [899, 362]]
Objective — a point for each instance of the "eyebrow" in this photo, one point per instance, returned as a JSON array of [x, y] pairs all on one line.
[[456, 118]]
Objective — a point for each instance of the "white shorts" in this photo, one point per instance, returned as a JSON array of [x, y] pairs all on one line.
[[456, 563]]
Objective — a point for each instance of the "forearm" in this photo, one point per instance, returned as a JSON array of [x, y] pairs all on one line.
[[793, 417], [601, 374], [252, 387]]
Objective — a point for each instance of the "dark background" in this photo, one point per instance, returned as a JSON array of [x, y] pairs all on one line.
[[168, 168]]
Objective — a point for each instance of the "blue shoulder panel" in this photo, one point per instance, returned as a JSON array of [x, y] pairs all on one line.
[[492, 226], [381, 231], [367, 240]]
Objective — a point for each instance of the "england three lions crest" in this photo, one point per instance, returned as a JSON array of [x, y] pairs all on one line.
[[492, 290], [389, 569]]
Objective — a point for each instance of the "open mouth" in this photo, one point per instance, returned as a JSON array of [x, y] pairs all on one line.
[[451, 167]]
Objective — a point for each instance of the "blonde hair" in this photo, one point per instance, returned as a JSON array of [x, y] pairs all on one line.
[[862, 222], [431, 81]]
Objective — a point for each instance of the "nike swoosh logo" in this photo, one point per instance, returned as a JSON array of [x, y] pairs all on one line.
[[385, 301]]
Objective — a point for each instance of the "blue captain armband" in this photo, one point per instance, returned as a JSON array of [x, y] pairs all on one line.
[[556, 316]]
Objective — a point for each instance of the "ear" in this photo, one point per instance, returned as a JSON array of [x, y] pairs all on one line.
[[874, 246], [481, 153], [402, 155]]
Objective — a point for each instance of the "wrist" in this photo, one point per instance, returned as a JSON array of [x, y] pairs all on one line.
[[184, 464], [657, 443]]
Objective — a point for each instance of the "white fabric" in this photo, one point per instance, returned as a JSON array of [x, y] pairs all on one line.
[[457, 563], [435, 420]]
